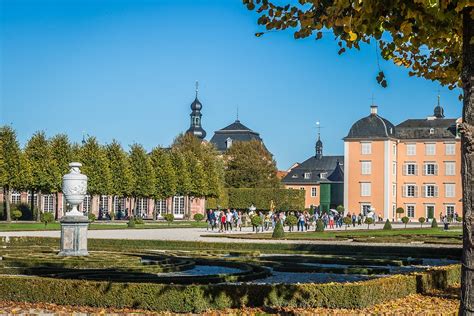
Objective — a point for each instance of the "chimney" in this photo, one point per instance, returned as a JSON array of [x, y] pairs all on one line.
[[373, 109]]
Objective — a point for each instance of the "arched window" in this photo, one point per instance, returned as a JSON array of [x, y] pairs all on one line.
[[228, 142]]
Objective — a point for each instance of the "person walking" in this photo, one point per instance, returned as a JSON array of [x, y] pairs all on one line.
[[223, 220], [331, 221], [229, 220]]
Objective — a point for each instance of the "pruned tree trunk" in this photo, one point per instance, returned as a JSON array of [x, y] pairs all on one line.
[[56, 214], [467, 144], [39, 205], [6, 196]]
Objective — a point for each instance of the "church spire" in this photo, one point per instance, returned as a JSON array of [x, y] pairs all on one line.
[[319, 143], [195, 126], [438, 110]]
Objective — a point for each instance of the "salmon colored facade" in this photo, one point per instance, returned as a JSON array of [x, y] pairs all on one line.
[[414, 165], [311, 193]]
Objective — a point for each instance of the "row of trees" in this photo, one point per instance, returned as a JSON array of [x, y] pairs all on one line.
[[190, 167]]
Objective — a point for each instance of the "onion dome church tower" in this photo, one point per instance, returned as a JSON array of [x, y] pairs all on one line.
[[196, 116]]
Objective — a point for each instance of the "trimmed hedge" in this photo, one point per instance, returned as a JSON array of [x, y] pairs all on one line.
[[199, 298], [350, 249]]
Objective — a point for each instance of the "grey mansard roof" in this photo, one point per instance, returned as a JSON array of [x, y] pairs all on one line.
[[314, 166], [371, 127], [236, 132], [432, 128]]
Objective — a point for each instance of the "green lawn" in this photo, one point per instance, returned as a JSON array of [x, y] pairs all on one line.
[[427, 235], [28, 226]]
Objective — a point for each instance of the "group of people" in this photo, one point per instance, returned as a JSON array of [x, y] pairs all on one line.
[[231, 219], [224, 220]]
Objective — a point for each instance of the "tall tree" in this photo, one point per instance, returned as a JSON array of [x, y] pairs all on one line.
[[10, 168], [43, 168], [434, 39], [142, 172], [183, 183], [119, 164], [250, 165], [208, 157], [165, 175], [96, 167], [198, 186], [62, 155]]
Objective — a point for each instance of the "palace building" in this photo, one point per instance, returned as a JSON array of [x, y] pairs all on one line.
[[321, 177], [414, 165]]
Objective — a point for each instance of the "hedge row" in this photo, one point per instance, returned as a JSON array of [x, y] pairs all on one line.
[[243, 198], [377, 251], [198, 298]]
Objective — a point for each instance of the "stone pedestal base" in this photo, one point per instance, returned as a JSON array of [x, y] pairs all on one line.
[[74, 236]]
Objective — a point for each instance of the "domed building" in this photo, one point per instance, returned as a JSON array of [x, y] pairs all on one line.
[[412, 165]]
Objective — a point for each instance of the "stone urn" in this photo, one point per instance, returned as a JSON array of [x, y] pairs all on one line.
[[74, 225], [74, 188]]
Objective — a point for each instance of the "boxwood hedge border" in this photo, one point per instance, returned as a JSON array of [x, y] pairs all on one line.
[[199, 298]]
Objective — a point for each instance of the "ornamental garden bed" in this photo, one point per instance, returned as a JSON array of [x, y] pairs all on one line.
[[179, 280]]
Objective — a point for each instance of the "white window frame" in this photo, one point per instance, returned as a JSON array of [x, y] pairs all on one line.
[[394, 190], [450, 149], [307, 175], [366, 148], [161, 207], [411, 149], [449, 210], [450, 168], [450, 190], [366, 167], [48, 203], [178, 206], [430, 169], [365, 208], [35, 197], [410, 169], [15, 197], [430, 149], [313, 192], [118, 204], [86, 204], [430, 191], [410, 190], [365, 189], [394, 150], [141, 206], [104, 203], [410, 210], [394, 168]]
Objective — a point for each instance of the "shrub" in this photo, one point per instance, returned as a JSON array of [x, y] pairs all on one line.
[[131, 223], [169, 218], [347, 221], [291, 221], [138, 220], [91, 217], [46, 218], [278, 232], [388, 225], [198, 217], [340, 209], [16, 214], [400, 210], [368, 221], [422, 220], [256, 220], [459, 219], [405, 220], [434, 223], [319, 225]]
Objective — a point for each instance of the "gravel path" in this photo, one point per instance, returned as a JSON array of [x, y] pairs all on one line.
[[195, 234]]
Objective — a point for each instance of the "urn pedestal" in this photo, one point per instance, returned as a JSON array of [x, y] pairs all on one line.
[[74, 225], [74, 236]]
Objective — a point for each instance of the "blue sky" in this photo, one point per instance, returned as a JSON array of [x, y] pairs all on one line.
[[126, 70]]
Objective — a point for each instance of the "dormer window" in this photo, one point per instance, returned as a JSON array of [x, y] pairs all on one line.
[[431, 131], [323, 175], [307, 175], [295, 176], [228, 142]]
